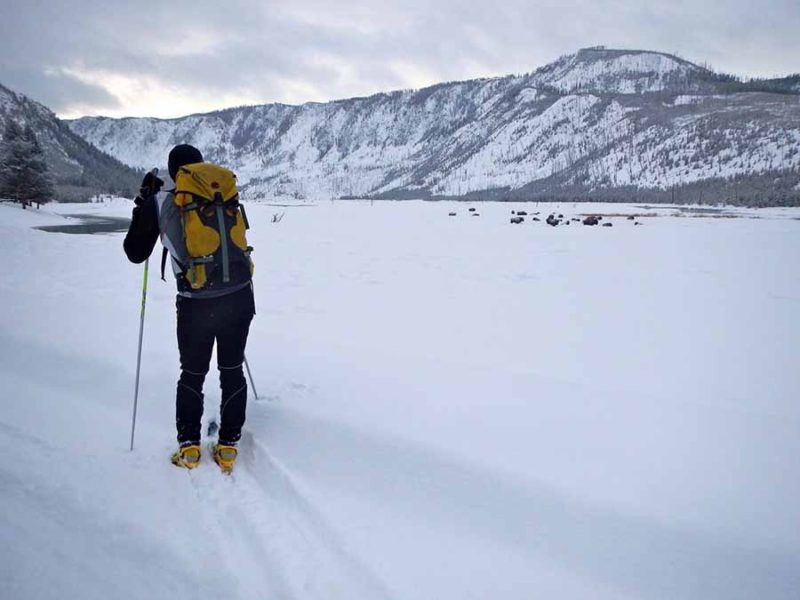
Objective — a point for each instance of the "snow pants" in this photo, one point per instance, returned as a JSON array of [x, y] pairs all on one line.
[[201, 322]]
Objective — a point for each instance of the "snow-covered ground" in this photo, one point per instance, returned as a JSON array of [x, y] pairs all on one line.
[[450, 408]]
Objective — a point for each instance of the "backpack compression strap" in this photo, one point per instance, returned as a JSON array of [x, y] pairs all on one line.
[[223, 237]]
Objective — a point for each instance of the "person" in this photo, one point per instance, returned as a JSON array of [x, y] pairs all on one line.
[[220, 314]]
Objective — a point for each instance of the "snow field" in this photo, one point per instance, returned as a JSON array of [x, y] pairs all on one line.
[[450, 408]]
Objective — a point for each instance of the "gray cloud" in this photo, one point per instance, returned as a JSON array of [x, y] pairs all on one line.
[[58, 91], [65, 54]]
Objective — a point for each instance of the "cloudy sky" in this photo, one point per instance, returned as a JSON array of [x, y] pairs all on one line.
[[171, 58]]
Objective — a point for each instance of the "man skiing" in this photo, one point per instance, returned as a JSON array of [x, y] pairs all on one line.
[[202, 226]]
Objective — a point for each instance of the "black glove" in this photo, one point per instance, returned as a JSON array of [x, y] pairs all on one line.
[[151, 184], [145, 216]]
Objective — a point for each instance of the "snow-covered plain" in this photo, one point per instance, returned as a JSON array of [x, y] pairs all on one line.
[[450, 408]]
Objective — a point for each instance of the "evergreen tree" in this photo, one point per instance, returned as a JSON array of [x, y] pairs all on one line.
[[23, 170], [11, 164]]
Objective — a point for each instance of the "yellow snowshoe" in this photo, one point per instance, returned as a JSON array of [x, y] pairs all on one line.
[[187, 456], [225, 456]]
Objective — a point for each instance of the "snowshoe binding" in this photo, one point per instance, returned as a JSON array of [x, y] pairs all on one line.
[[225, 456], [187, 456]]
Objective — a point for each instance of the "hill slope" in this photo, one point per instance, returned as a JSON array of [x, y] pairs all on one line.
[[79, 169], [609, 123]]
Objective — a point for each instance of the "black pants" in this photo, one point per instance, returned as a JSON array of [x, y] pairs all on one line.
[[200, 322]]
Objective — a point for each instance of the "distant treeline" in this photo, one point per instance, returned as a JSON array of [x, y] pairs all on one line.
[[772, 188], [782, 85]]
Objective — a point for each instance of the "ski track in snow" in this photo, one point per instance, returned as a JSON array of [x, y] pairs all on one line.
[[651, 559], [262, 536], [236, 536], [277, 483], [272, 539]]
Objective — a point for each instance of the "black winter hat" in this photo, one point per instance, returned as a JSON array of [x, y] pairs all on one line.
[[182, 154]]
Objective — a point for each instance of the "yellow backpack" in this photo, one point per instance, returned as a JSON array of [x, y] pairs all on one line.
[[214, 253]]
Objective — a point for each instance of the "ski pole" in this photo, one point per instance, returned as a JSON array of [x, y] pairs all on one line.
[[250, 375], [139, 353], [154, 173]]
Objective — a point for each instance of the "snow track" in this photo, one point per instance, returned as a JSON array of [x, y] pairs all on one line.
[[222, 506], [271, 539], [651, 558]]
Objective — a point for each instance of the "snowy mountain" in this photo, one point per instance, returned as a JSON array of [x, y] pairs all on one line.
[[79, 169], [599, 124]]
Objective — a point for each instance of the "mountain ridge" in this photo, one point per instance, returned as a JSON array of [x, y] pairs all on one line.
[[591, 122]]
